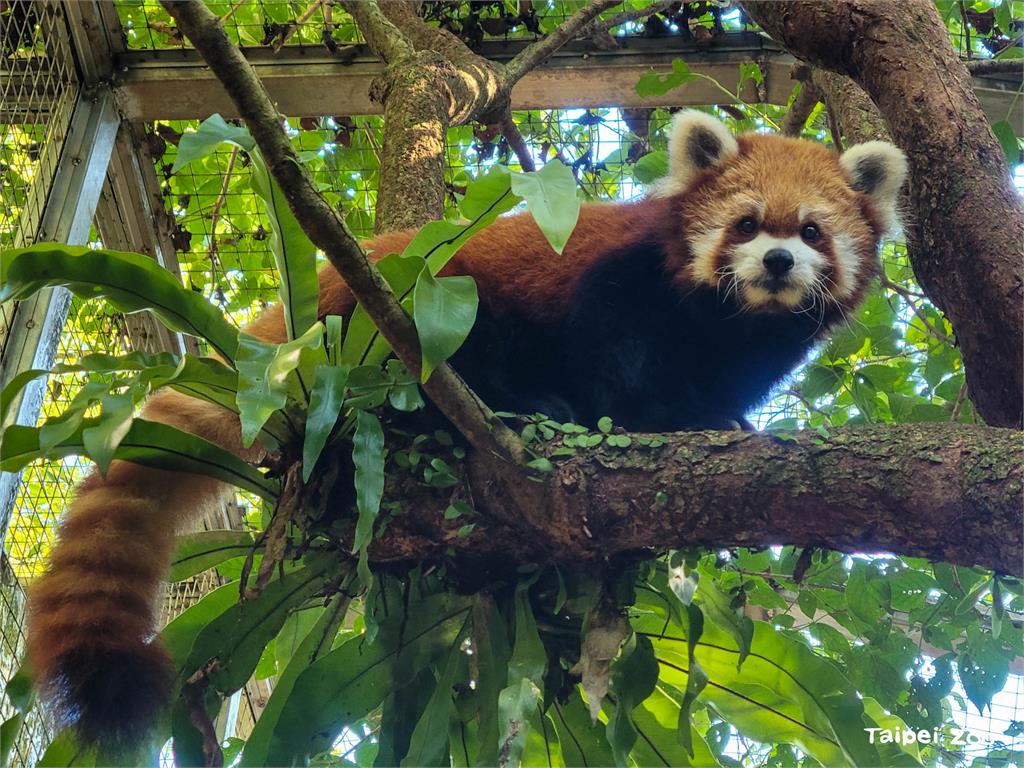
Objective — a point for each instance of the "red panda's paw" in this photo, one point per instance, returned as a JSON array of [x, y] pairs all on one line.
[[113, 698]]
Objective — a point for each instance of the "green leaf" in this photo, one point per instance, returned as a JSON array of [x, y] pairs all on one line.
[[101, 440], [696, 682], [551, 197], [718, 610], [10, 392], [368, 454], [1004, 15], [444, 309], [363, 342], [65, 752], [179, 636], [404, 394], [583, 741], [150, 443], [429, 743], [346, 684], [195, 145], [634, 677], [238, 636], [21, 697], [655, 84], [491, 646], [202, 550], [316, 643], [651, 167], [264, 371], [1011, 52], [129, 282], [983, 667], [325, 401], [294, 254], [821, 380], [518, 701], [1007, 137]]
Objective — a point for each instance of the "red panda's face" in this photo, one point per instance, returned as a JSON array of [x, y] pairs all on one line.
[[780, 224]]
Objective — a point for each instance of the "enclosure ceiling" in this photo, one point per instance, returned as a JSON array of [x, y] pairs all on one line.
[[304, 81]]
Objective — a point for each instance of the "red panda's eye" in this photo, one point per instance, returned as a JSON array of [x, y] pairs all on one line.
[[747, 225], [810, 233]]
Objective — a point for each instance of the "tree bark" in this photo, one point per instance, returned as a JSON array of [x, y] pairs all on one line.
[[442, 84], [943, 492], [967, 222]]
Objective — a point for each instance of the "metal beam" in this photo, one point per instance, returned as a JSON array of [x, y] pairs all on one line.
[[131, 217], [67, 218], [174, 84]]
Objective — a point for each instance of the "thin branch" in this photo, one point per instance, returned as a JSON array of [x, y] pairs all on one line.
[[535, 54], [327, 230], [217, 205], [383, 37], [232, 9], [905, 295], [959, 404], [625, 17], [293, 27], [982, 67], [516, 142]]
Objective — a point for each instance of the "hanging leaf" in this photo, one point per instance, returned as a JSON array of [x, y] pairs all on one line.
[[368, 456], [634, 677], [316, 643], [238, 636], [213, 131], [129, 282], [444, 309], [346, 684], [429, 743], [518, 701], [552, 200], [199, 551], [717, 609], [582, 740], [294, 254], [656, 84], [264, 372], [150, 443], [325, 401], [100, 441]]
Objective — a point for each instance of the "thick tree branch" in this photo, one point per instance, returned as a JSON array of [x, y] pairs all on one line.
[[383, 37], [800, 110], [328, 232], [967, 230], [940, 491], [530, 57]]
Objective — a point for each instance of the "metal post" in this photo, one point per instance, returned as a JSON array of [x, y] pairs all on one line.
[[67, 218]]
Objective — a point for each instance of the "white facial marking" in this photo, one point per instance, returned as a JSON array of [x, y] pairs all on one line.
[[849, 262], [748, 264], [704, 247]]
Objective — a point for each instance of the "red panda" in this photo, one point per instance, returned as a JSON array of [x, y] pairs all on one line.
[[678, 311]]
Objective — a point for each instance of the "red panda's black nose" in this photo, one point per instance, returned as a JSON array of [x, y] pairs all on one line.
[[778, 261]]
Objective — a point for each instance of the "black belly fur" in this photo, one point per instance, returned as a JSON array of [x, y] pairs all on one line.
[[635, 349]]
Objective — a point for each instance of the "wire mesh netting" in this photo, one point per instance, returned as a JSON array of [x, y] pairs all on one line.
[[221, 235]]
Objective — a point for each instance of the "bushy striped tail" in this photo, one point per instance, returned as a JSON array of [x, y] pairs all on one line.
[[93, 614]]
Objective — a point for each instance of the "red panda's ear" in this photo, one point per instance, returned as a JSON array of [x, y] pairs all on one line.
[[696, 142], [878, 169]]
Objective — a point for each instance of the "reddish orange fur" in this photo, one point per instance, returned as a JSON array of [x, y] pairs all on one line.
[[103, 585]]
